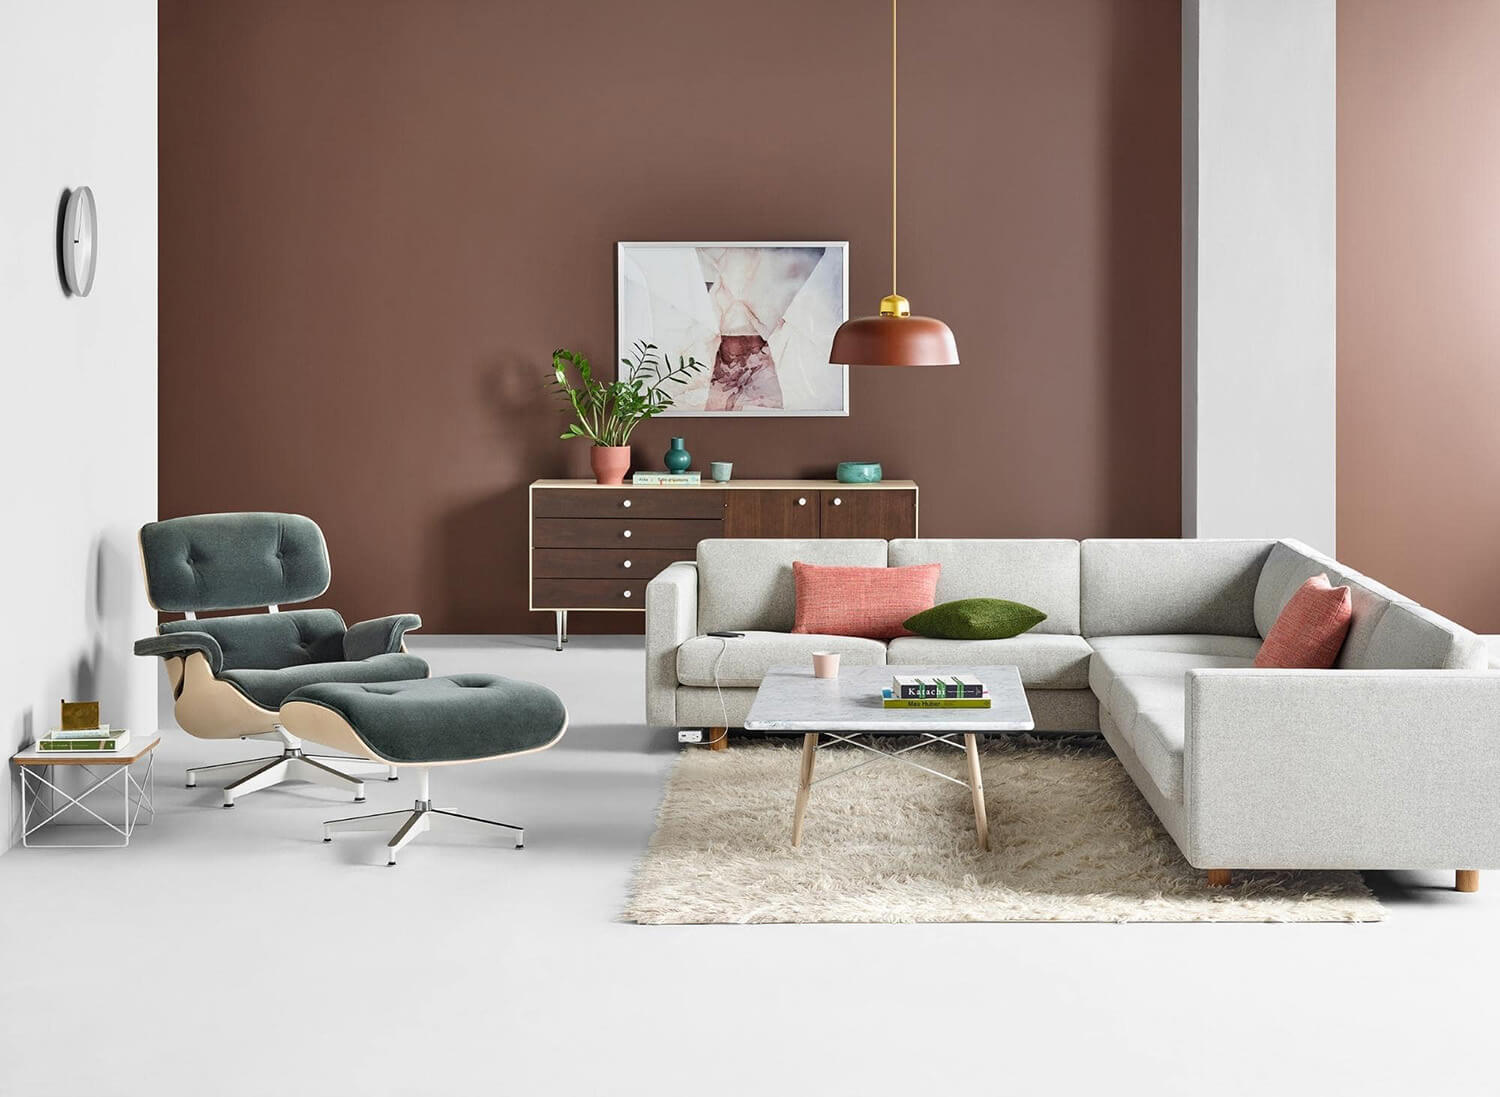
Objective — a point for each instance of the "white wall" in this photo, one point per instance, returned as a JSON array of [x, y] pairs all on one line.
[[78, 437], [1258, 183]]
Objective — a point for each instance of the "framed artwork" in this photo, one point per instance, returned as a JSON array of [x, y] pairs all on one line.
[[759, 316]]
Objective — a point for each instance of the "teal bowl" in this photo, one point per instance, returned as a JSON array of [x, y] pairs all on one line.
[[859, 472]]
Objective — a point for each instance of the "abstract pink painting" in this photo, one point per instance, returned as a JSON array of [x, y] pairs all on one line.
[[760, 315]]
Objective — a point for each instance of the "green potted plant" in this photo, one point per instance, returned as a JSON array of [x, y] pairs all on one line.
[[607, 412]]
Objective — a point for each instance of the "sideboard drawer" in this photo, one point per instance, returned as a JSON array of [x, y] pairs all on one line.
[[687, 502], [622, 533], [641, 565], [589, 593]]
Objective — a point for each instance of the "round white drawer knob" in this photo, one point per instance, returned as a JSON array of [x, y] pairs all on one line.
[[627, 533], [627, 594], [627, 563], [626, 503], [802, 502], [837, 501]]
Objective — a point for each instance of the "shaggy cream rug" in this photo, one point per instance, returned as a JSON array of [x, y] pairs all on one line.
[[1071, 841]]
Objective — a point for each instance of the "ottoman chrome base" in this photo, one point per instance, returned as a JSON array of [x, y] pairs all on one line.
[[417, 819]]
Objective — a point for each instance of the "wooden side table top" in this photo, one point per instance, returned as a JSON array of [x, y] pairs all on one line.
[[133, 752]]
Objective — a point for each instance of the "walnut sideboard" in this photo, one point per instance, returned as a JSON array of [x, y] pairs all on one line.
[[595, 547]]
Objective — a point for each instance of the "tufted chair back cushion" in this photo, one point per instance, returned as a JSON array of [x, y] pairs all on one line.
[[233, 561], [272, 641]]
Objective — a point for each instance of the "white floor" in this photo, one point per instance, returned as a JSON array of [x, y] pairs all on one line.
[[238, 954]]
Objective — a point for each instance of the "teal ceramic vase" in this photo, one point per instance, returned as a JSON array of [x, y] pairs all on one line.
[[677, 458]]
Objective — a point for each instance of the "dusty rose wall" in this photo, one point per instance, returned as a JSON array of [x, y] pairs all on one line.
[[379, 218], [1419, 279]]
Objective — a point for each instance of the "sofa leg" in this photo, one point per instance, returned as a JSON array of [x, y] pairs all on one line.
[[718, 739], [1218, 877], [1466, 879]]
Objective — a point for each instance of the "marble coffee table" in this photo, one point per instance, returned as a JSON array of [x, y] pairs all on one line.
[[848, 710]]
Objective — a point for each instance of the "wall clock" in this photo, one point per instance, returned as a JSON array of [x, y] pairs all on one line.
[[79, 241]]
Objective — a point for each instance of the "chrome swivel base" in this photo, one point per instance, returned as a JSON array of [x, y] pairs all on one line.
[[254, 774], [417, 820]]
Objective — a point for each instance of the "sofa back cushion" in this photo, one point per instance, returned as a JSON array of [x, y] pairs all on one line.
[[1148, 586], [1411, 637], [746, 583], [1290, 564], [1043, 574]]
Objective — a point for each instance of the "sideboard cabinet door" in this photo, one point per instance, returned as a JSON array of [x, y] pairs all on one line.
[[868, 513], [771, 513]]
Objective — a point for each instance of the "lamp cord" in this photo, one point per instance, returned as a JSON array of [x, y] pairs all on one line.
[[893, 147]]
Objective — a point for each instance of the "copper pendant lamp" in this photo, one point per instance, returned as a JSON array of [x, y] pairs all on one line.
[[895, 337]]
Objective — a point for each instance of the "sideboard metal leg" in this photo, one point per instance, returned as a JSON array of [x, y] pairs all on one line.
[[565, 626], [559, 616]]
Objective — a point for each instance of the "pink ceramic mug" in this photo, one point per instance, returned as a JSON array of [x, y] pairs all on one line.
[[825, 664]]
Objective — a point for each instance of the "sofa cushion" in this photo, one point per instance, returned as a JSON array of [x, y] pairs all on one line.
[[1043, 574], [744, 660], [1411, 637], [869, 602], [1190, 643], [746, 583], [1160, 586], [269, 688], [1045, 661], [1291, 564], [1153, 720], [1107, 666]]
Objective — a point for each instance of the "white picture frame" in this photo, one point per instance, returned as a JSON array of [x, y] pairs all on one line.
[[781, 367]]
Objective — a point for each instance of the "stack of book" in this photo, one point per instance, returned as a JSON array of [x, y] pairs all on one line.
[[99, 739], [673, 479], [937, 691]]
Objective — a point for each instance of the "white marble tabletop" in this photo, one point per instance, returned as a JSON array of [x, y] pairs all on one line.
[[791, 699]]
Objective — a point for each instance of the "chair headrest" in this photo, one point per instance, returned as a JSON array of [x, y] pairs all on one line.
[[233, 561]]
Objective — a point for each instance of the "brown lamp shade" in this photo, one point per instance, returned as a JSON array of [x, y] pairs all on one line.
[[893, 341]]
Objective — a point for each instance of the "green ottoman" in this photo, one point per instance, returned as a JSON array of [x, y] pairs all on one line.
[[424, 723]]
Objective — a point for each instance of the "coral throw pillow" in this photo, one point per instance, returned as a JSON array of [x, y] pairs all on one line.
[[1310, 629], [868, 602]]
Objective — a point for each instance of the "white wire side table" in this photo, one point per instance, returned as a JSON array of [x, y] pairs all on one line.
[[43, 798], [848, 711]]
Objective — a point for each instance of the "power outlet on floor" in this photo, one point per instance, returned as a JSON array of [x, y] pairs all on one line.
[[689, 735]]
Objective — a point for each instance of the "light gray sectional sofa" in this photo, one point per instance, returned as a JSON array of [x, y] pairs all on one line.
[[1391, 760]]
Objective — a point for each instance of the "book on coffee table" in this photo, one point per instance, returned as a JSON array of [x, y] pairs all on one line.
[[888, 699]]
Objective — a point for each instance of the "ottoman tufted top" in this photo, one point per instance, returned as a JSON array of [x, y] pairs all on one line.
[[464, 717]]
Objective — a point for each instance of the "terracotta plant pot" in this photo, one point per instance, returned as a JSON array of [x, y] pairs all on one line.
[[610, 463]]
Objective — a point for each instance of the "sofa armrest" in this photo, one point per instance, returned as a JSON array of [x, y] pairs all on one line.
[[1382, 769], [173, 645], [671, 618], [379, 636]]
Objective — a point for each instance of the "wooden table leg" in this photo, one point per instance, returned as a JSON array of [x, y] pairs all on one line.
[[976, 783], [809, 750]]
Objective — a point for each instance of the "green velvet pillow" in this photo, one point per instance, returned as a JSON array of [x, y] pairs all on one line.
[[975, 619]]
